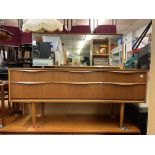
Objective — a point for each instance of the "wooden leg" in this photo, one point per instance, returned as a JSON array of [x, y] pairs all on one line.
[[15, 109], [23, 108], [34, 114], [121, 115], [18, 109], [9, 105], [42, 109], [112, 111], [2, 105]]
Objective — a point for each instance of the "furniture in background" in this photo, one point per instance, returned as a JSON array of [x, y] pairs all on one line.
[[15, 50], [138, 116], [4, 112], [100, 50], [15, 40]]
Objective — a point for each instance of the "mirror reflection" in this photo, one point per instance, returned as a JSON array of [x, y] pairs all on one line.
[[76, 50]]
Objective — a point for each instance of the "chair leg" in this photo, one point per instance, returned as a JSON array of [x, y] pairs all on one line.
[[2, 106], [15, 107], [9, 105]]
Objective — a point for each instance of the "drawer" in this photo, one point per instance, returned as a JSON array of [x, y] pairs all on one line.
[[77, 76], [68, 90]]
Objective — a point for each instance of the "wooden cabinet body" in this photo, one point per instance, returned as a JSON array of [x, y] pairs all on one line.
[[76, 84]]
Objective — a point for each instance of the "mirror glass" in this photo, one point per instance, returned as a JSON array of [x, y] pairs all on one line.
[[67, 49]]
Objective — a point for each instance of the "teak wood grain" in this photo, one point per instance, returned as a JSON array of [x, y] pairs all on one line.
[[77, 85], [71, 91], [76, 76], [65, 84], [67, 124]]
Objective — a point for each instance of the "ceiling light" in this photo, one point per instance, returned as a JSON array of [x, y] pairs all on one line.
[[88, 37], [78, 52], [81, 44], [67, 53]]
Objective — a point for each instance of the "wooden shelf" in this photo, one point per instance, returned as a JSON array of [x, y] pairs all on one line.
[[100, 46], [68, 124], [100, 55], [101, 41]]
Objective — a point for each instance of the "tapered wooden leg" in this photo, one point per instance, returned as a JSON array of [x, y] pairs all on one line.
[[11, 108], [34, 114], [121, 115], [42, 109]]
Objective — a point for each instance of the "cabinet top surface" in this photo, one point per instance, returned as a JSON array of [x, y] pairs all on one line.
[[81, 68]]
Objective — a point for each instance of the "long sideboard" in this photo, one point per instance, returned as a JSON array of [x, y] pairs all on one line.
[[76, 85]]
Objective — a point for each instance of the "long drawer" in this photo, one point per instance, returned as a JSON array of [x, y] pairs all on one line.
[[77, 90], [77, 76]]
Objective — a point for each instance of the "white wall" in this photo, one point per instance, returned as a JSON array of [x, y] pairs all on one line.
[[130, 37], [139, 32], [127, 39], [151, 99]]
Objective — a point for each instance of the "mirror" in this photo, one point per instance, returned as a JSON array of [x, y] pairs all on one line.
[[69, 49]]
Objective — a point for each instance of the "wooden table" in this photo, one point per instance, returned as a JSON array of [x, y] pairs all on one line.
[[77, 85]]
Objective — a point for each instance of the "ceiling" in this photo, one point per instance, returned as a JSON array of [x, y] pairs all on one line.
[[77, 43], [124, 26]]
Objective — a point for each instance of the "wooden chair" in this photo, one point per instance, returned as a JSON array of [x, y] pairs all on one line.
[[5, 110]]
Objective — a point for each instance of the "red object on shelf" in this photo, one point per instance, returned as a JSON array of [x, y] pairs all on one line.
[[107, 29], [136, 50], [80, 29], [112, 46]]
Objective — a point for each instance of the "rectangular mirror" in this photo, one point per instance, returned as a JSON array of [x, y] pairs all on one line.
[[76, 50]]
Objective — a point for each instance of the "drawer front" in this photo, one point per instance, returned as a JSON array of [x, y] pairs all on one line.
[[78, 76], [78, 91]]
